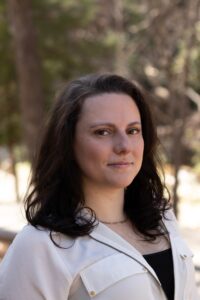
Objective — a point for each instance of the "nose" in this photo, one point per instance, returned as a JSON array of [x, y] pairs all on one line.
[[122, 144]]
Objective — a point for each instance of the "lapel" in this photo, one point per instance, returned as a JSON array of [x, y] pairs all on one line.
[[105, 235], [178, 253]]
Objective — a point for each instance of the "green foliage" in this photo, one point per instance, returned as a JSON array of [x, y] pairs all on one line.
[[76, 37], [9, 105], [69, 45]]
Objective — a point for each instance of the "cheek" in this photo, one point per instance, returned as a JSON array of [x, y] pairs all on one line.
[[87, 153], [142, 147], [139, 147]]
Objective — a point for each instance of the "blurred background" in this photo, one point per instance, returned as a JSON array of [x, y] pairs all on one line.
[[44, 44]]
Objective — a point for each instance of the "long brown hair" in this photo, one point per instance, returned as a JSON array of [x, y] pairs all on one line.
[[57, 193]]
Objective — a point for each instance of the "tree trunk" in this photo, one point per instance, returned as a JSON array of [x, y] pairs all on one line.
[[179, 109], [29, 71], [120, 64]]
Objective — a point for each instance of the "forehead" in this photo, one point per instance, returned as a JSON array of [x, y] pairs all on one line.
[[109, 107]]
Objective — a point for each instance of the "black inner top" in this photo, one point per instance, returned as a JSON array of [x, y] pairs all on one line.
[[162, 263]]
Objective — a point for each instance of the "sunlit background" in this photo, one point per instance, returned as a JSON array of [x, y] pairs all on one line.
[[44, 44]]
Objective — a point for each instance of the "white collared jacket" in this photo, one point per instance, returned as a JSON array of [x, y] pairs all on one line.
[[99, 266]]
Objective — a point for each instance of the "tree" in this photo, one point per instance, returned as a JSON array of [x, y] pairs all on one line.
[[29, 70], [173, 49], [155, 42]]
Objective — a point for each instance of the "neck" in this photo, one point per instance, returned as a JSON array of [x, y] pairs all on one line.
[[108, 205]]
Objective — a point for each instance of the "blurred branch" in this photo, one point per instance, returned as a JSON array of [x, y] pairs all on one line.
[[194, 96], [154, 16]]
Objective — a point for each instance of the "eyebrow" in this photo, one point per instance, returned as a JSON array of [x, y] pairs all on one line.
[[113, 125]]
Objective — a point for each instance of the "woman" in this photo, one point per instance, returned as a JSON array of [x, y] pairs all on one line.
[[99, 224]]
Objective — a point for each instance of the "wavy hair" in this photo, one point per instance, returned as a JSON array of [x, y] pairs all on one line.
[[57, 196]]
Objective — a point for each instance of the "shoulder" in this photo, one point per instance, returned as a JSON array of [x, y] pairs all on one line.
[[30, 238], [31, 265], [25, 244], [34, 247], [169, 215], [170, 222], [31, 234], [36, 242]]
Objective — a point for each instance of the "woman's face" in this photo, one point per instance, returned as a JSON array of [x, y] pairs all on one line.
[[108, 143]]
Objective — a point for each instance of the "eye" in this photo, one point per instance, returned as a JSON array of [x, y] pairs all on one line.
[[102, 132], [134, 131]]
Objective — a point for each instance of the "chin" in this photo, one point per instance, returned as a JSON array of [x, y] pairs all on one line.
[[122, 184]]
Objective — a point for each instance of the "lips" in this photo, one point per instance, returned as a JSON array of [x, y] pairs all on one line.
[[120, 163]]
